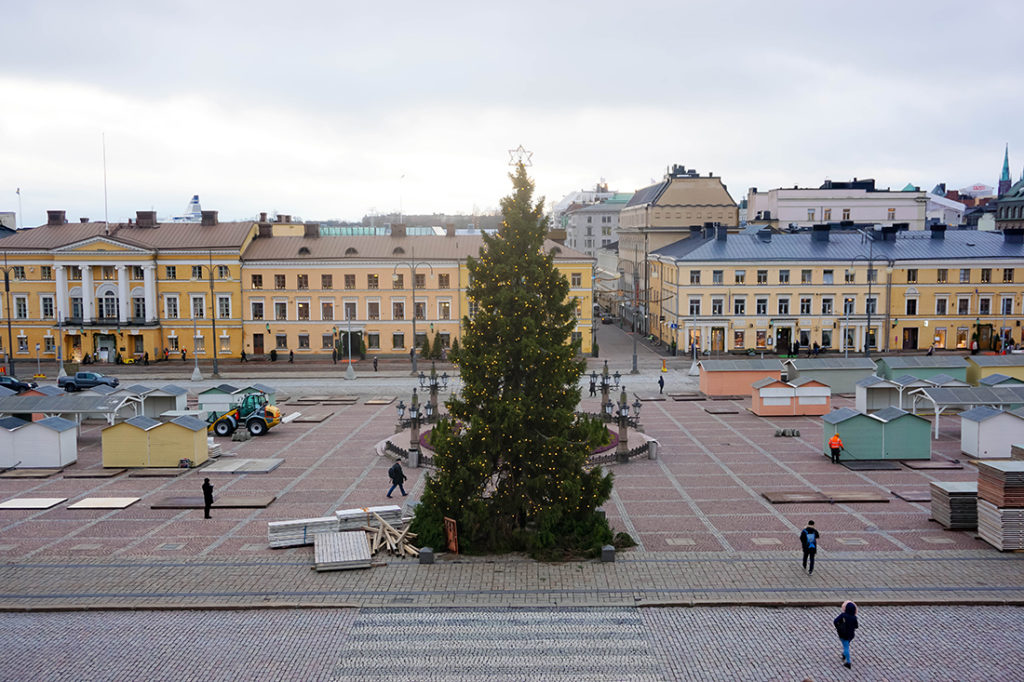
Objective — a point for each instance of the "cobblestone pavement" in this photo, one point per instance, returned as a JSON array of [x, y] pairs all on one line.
[[733, 643]]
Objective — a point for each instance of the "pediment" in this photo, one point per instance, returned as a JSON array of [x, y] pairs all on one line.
[[101, 245]]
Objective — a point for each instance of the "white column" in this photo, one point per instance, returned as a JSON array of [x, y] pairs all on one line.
[[149, 282], [122, 294], [88, 294], [62, 293]]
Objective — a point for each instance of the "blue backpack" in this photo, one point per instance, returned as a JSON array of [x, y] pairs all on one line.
[[811, 539]]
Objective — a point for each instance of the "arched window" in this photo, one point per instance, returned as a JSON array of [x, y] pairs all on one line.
[[398, 251], [351, 251], [304, 251]]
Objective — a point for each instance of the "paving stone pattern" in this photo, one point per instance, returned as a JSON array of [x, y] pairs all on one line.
[[733, 643]]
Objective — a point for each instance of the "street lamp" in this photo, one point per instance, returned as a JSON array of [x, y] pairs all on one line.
[[213, 318], [412, 265], [606, 382], [349, 372], [196, 374], [434, 383], [9, 313], [620, 413], [868, 304], [413, 422]]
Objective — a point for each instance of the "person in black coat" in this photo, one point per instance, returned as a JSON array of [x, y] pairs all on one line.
[[207, 497], [661, 385], [809, 540], [846, 623], [397, 477]]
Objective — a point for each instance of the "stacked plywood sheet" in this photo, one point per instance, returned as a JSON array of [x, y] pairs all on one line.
[[299, 532], [1001, 503], [341, 551], [1017, 452], [1000, 527], [355, 519], [955, 504]]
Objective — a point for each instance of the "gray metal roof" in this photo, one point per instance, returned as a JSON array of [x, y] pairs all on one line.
[[101, 389], [58, 424], [844, 247], [138, 389], [189, 422], [49, 390], [888, 414], [767, 381], [222, 388], [4, 392], [11, 423], [269, 390], [974, 395], [996, 379], [910, 380], [840, 415], [924, 361], [874, 380], [61, 404], [945, 380], [981, 413], [143, 422], [805, 380], [741, 365], [1011, 360], [810, 364], [172, 389]]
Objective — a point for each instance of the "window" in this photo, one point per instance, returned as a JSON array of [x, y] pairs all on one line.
[[223, 272], [257, 309], [372, 282], [49, 345], [326, 341], [398, 281], [846, 214], [444, 310], [740, 276], [695, 306], [109, 308], [46, 272], [171, 272], [200, 344], [1007, 305], [280, 310], [984, 305], [961, 337], [761, 340], [170, 307], [76, 307], [890, 214], [783, 276], [303, 341], [871, 305], [965, 275], [717, 306], [911, 275], [444, 281], [826, 306], [172, 343], [421, 281], [107, 272], [398, 310], [350, 281], [373, 310], [739, 306], [577, 279], [986, 275], [826, 277], [327, 310], [302, 310], [805, 277], [398, 340], [911, 306], [197, 272], [940, 306], [281, 341], [760, 306], [716, 277], [694, 276], [810, 214], [257, 281], [75, 273], [851, 276], [279, 282], [805, 306], [826, 214], [762, 277], [137, 272], [942, 275], [783, 305], [138, 308], [301, 282], [21, 307], [224, 307], [199, 307], [373, 340], [1007, 275], [327, 282], [225, 344], [963, 306], [737, 340], [46, 306]]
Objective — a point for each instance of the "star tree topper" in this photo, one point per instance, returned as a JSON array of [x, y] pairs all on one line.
[[520, 156]]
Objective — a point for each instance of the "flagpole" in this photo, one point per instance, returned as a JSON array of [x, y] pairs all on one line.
[[21, 219]]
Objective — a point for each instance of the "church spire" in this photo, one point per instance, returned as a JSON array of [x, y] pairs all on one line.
[[1004, 177]]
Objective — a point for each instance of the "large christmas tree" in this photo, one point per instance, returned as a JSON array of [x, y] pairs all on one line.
[[509, 455]]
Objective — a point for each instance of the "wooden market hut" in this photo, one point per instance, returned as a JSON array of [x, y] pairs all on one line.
[[721, 378], [988, 432], [218, 398], [146, 442], [892, 434], [981, 366], [49, 443], [840, 374], [874, 393], [922, 366], [156, 401], [801, 397]]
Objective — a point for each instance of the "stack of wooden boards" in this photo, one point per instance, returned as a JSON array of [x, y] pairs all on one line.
[[955, 504], [299, 532], [340, 551], [1001, 503]]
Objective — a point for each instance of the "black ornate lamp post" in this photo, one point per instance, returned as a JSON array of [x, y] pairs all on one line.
[[9, 314], [413, 422], [605, 382], [620, 413], [434, 383]]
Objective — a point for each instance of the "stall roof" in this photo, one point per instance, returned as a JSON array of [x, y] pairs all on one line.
[[996, 379], [101, 389], [49, 390], [1012, 360], [808, 364], [929, 361], [266, 389], [909, 380], [137, 389], [58, 424], [888, 414], [945, 379], [222, 388], [4, 392], [981, 413], [874, 380], [767, 381], [12, 423], [64, 404], [189, 422], [805, 380], [741, 365], [172, 389], [974, 395], [143, 422], [840, 415]]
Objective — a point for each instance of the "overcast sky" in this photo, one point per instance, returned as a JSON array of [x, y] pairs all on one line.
[[338, 109]]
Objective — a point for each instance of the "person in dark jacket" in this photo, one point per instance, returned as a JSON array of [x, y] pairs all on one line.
[[661, 384], [846, 623], [207, 497], [397, 477], [809, 539]]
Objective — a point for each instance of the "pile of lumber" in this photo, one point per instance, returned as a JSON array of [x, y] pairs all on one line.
[[955, 504], [1001, 503], [1017, 452], [1000, 527], [355, 519], [340, 551], [381, 535], [299, 532]]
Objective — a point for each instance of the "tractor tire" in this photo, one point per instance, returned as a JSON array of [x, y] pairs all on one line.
[[257, 427], [223, 428]]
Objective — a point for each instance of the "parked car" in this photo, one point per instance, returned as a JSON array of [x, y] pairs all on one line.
[[607, 319], [16, 385], [80, 380]]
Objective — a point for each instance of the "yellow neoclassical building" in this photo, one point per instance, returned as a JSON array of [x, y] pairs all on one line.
[[893, 290], [147, 288]]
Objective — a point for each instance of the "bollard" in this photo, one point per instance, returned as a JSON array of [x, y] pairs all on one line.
[[426, 555], [607, 554], [652, 450]]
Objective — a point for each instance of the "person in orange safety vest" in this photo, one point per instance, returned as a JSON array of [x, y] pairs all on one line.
[[835, 444]]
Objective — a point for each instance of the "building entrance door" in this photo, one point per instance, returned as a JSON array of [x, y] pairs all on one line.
[[910, 338], [257, 344], [783, 340], [717, 339], [985, 337]]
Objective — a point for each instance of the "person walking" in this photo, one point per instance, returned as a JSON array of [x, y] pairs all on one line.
[[244, 358], [207, 497], [374, 363], [183, 355], [809, 539], [291, 356], [145, 359], [593, 388], [397, 477], [846, 623], [661, 385], [334, 355], [835, 444]]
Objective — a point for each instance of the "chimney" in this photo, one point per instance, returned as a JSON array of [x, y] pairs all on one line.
[[288, 217], [145, 218], [764, 236], [889, 232], [721, 232], [819, 233], [209, 218], [397, 229], [55, 218], [263, 216], [83, 220], [449, 230], [265, 230], [938, 231], [311, 230], [1013, 236]]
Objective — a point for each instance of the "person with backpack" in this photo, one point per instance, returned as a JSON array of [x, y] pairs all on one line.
[[809, 539], [397, 477], [846, 623]]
